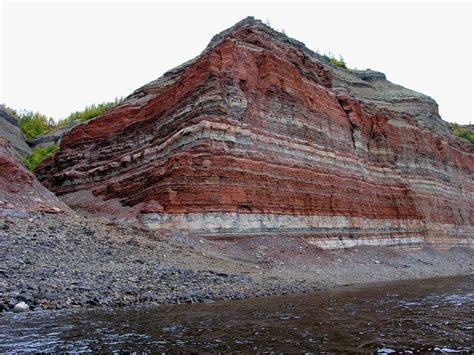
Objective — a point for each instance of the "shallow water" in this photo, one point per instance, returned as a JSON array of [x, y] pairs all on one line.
[[429, 315]]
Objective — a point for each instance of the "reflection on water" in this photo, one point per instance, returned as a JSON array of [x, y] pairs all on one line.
[[430, 315]]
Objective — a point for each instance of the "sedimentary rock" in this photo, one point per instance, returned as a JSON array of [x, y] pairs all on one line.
[[10, 131], [20, 191], [260, 136]]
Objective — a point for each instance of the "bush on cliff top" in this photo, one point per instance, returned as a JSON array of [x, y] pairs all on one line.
[[463, 132], [331, 58], [91, 111], [34, 124], [38, 155]]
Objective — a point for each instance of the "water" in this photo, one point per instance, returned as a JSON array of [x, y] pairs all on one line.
[[431, 315]]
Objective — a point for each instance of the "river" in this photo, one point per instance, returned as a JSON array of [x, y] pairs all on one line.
[[428, 315]]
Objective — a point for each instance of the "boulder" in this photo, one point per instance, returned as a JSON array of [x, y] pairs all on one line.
[[21, 307]]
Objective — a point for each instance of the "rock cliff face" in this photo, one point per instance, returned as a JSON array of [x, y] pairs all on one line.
[[20, 191], [10, 131], [260, 136]]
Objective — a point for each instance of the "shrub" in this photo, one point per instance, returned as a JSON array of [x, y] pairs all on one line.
[[38, 155], [463, 132], [331, 58], [32, 123], [91, 111]]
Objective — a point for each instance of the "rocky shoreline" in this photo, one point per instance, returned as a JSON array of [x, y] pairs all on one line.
[[68, 261]]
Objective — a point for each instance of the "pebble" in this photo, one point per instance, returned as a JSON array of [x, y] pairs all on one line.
[[21, 307], [72, 266]]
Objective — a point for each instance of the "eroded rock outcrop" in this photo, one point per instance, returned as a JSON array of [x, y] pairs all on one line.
[[20, 191], [260, 136]]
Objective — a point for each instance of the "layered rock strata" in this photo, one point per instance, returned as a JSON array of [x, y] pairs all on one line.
[[11, 132], [260, 136]]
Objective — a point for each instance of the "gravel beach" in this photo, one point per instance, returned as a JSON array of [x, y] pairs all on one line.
[[69, 261]]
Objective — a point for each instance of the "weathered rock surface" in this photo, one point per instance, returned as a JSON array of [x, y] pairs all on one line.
[[260, 136], [20, 191], [11, 132]]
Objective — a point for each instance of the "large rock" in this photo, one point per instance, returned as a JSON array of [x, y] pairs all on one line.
[[20, 191], [260, 136], [10, 131], [21, 307]]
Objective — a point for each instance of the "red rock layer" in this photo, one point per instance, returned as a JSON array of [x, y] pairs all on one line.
[[259, 127], [20, 191]]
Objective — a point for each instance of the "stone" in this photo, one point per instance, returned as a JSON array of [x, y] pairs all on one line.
[[21, 307], [243, 278], [26, 297], [11, 302], [137, 260], [260, 136]]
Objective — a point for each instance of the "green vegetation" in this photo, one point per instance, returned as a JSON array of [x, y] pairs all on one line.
[[463, 132], [91, 111], [38, 155], [34, 124], [331, 58]]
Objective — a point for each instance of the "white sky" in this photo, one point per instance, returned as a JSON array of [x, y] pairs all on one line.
[[58, 57]]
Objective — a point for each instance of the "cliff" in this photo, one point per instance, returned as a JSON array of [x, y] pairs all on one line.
[[259, 136]]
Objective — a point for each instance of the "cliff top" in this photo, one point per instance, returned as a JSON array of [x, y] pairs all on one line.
[[368, 86]]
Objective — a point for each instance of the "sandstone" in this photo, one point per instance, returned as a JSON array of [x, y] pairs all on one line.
[[259, 136]]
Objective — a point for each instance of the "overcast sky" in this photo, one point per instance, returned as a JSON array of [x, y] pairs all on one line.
[[58, 57]]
